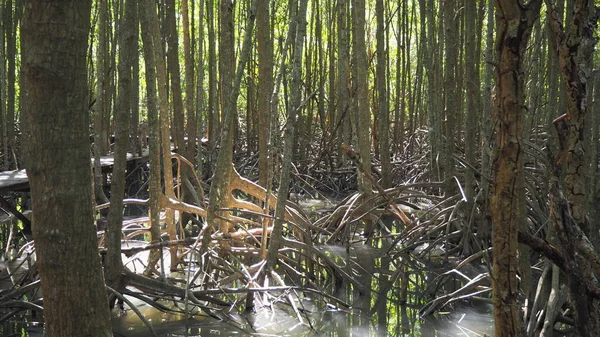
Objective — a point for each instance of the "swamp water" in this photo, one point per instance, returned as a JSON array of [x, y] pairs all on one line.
[[381, 312], [383, 318]]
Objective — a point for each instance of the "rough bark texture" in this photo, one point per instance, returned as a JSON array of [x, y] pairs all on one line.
[[574, 47], [58, 165], [514, 23]]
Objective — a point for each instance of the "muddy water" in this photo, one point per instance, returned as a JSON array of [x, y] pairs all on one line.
[[316, 317], [367, 317], [322, 319]]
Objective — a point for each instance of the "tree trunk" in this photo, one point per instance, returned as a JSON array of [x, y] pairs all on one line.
[[220, 195], [127, 55], [3, 137], [163, 104], [361, 97], [473, 96], [265, 87], [55, 36], [190, 112], [293, 111], [343, 82], [575, 45], [101, 109], [214, 120], [514, 22], [153, 127], [174, 75], [11, 50], [450, 90], [383, 120]]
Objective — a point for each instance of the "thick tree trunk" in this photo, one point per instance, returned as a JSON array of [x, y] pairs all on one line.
[[58, 165], [574, 47], [514, 22]]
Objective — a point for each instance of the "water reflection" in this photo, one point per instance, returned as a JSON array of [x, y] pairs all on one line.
[[399, 289]]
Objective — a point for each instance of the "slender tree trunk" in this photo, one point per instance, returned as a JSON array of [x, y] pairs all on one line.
[[153, 126], [3, 131], [293, 111], [514, 22], [450, 89], [135, 143], [11, 51], [265, 87], [343, 81], [163, 103], [473, 96], [214, 120], [174, 75], [220, 195], [101, 109], [360, 81], [433, 89], [201, 95], [383, 121], [55, 36], [127, 37], [190, 113]]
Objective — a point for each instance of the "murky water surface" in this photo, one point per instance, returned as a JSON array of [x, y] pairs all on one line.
[[378, 313]]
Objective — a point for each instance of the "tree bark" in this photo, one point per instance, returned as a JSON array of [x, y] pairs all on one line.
[[361, 97], [101, 109], [574, 47], [293, 111], [55, 36], [175, 76], [153, 126], [383, 120], [265, 87], [127, 37], [514, 21], [343, 121]]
